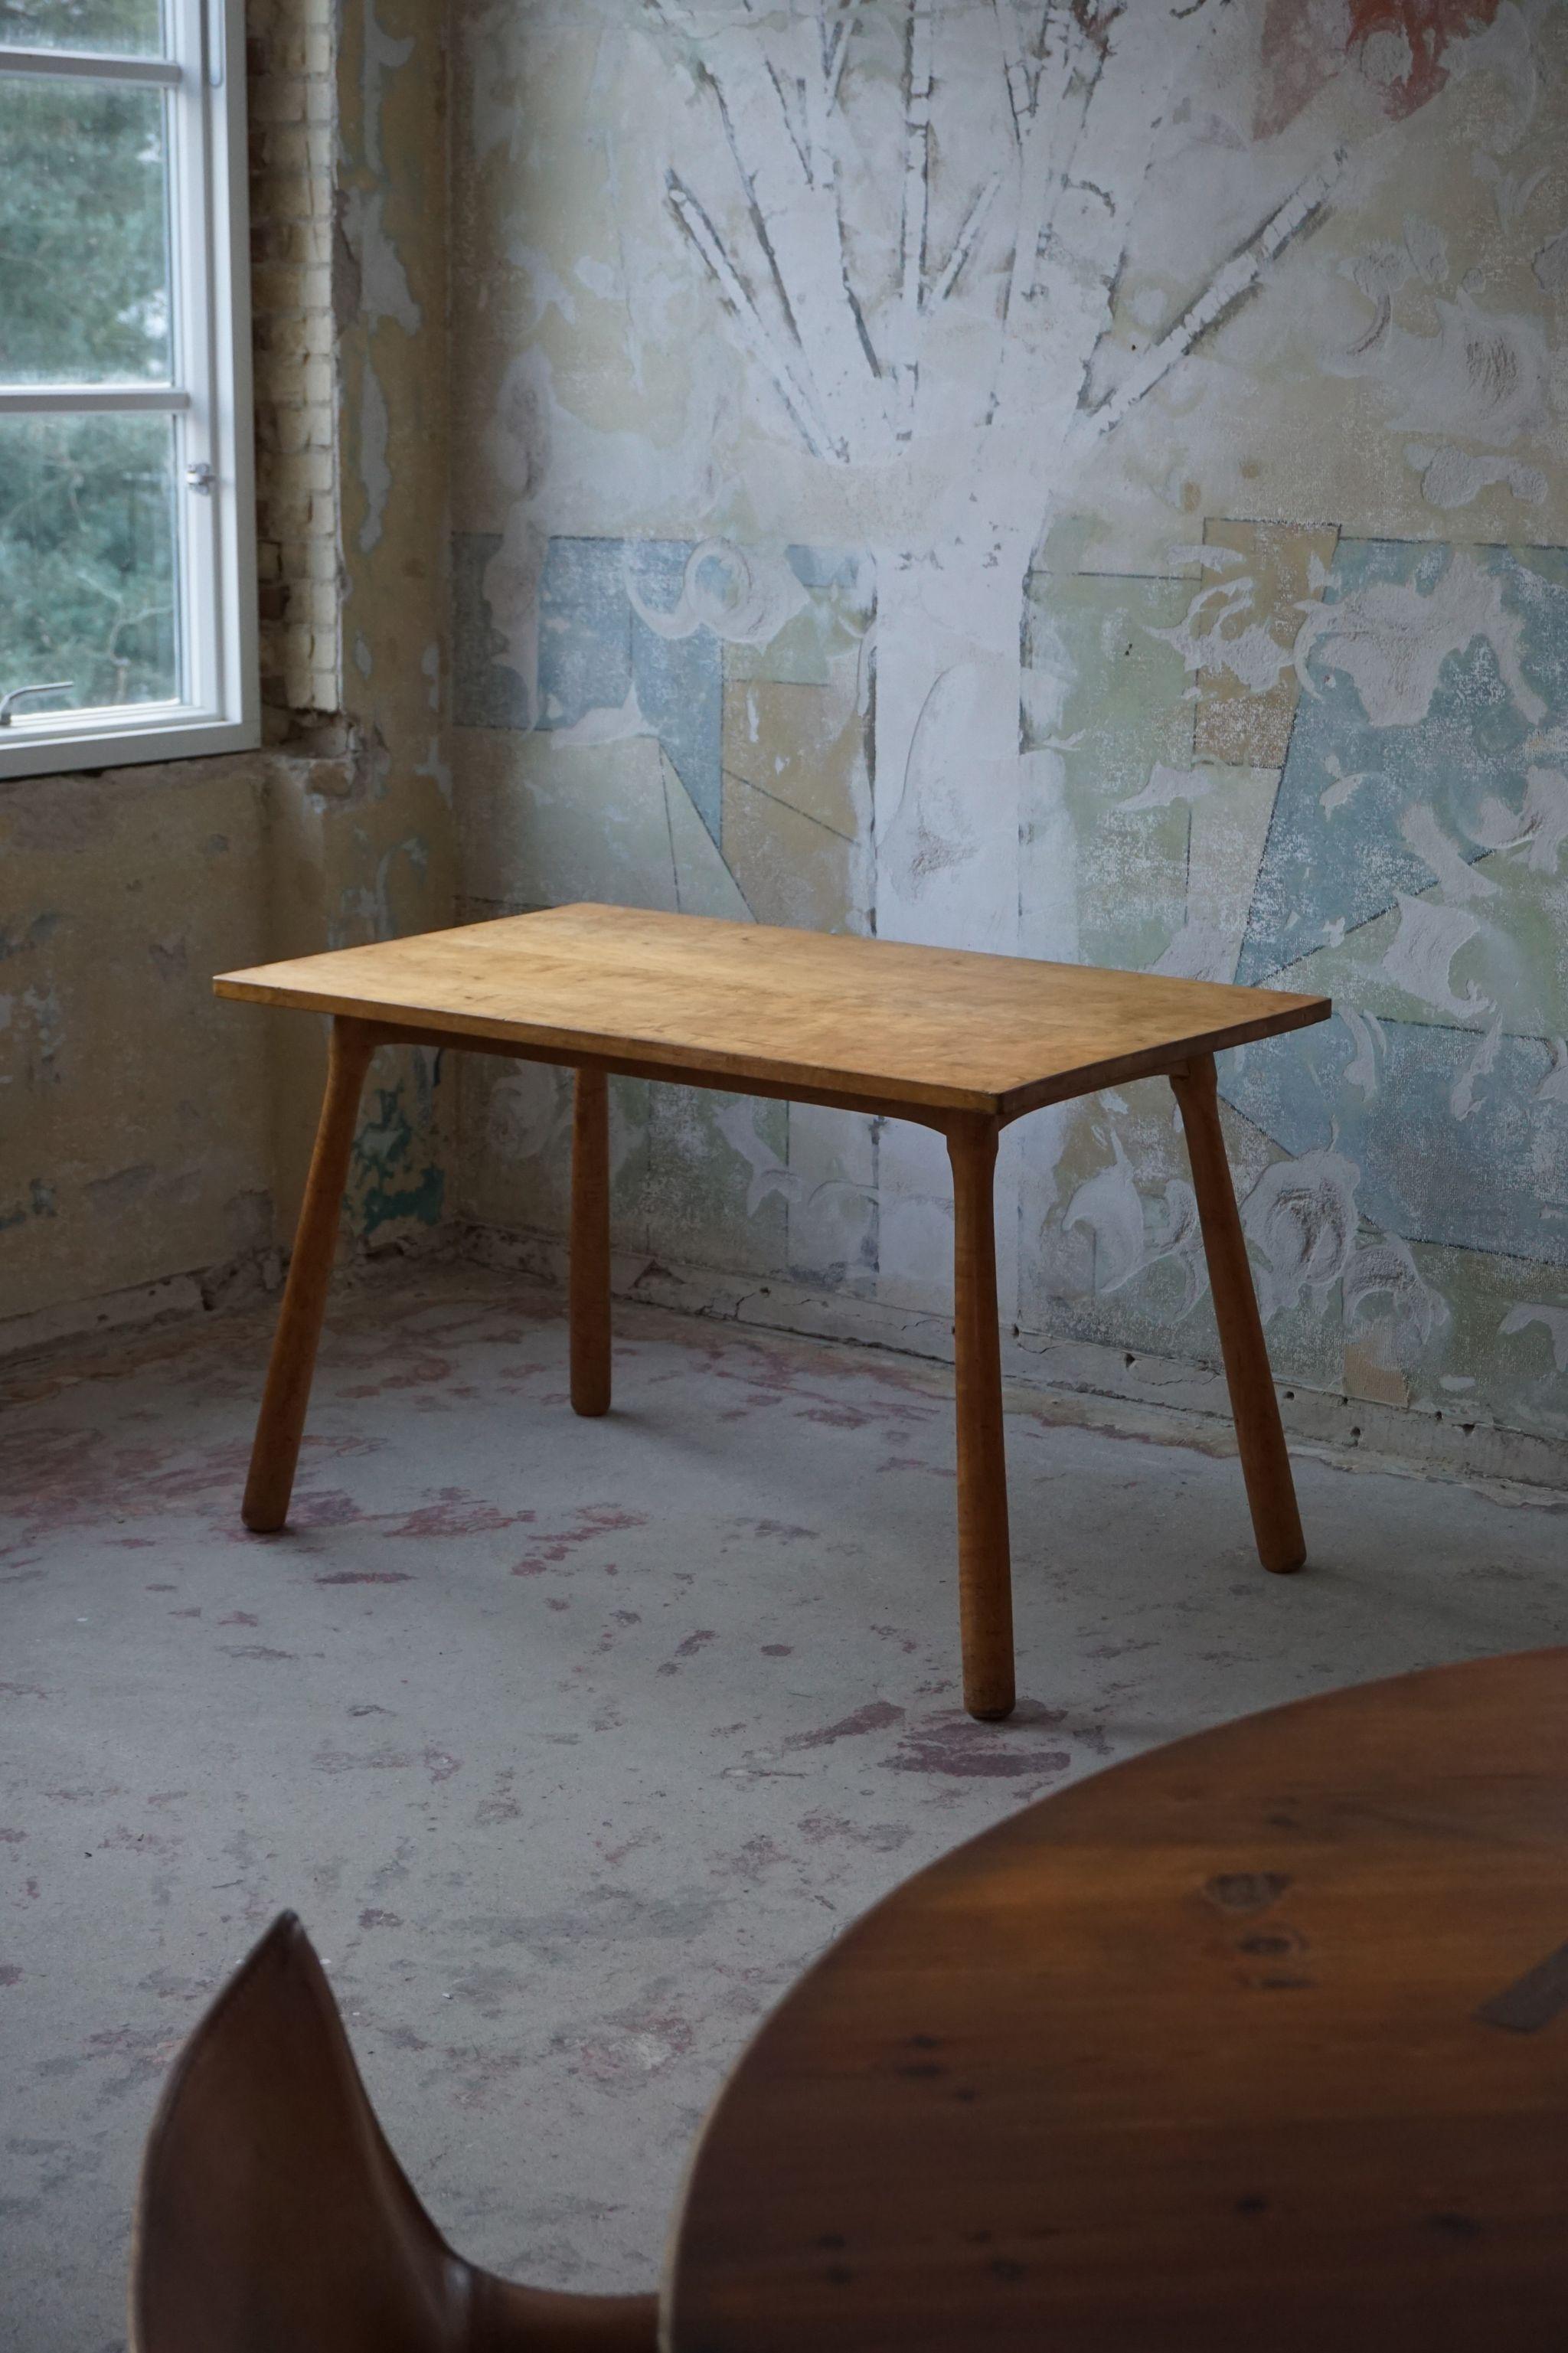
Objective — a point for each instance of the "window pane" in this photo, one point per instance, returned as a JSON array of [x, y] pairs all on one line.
[[87, 559], [84, 269], [116, 29]]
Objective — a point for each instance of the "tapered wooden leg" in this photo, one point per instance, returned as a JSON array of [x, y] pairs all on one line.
[[1265, 1464], [590, 1275], [282, 1422], [984, 1566]]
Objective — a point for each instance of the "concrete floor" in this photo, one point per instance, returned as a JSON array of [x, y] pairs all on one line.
[[572, 1742]]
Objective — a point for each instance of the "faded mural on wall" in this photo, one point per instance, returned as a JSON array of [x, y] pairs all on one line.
[[1077, 481]]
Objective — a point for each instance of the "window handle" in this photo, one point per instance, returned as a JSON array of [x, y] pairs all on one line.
[[201, 478], [60, 686]]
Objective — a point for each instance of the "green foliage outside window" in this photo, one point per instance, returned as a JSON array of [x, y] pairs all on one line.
[[113, 27], [87, 541], [86, 558]]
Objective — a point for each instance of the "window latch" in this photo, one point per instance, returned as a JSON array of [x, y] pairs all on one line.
[[60, 686], [201, 478]]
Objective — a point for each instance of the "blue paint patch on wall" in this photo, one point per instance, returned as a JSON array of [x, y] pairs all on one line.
[[584, 631], [594, 649], [1344, 865], [680, 681], [826, 568], [1495, 1180]]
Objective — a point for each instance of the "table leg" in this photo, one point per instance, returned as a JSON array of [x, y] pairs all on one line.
[[1265, 1464], [282, 1420], [590, 1270], [985, 1567]]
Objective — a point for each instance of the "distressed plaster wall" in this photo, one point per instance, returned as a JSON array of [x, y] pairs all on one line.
[[1067, 480], [292, 83], [133, 1126], [152, 1143], [391, 864], [1058, 479]]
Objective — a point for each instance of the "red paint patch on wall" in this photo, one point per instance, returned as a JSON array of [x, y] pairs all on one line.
[[1411, 37]]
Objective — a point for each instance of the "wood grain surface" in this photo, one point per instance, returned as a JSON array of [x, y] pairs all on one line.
[[280, 1426], [588, 1300], [984, 1557], [272, 2216], [1260, 2041], [1260, 1438], [811, 1014]]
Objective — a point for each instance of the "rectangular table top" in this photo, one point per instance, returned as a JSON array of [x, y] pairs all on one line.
[[811, 1015]]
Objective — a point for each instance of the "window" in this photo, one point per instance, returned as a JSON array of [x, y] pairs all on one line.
[[127, 530]]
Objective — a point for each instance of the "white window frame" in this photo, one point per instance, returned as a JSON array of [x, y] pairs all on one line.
[[208, 397]]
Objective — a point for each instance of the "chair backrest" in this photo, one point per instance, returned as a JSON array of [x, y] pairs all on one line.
[[272, 2217]]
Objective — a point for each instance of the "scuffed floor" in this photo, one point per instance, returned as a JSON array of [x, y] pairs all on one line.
[[572, 1741]]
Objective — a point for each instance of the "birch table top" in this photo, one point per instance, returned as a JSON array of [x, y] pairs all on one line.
[[810, 1015], [1259, 2040]]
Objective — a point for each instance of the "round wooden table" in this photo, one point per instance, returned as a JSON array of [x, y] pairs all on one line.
[[1259, 2041]]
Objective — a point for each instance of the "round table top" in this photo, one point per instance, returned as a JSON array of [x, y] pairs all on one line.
[[1260, 2040]]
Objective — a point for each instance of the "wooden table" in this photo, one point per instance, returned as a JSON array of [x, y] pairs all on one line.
[[1258, 2045], [959, 1043]]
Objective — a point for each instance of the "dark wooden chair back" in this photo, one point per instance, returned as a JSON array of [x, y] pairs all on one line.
[[272, 2216]]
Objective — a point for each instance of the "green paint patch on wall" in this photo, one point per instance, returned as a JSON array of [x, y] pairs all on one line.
[[1125, 711], [392, 1176]]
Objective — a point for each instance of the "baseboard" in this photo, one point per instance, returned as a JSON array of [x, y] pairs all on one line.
[[236, 1283], [1082, 1380], [1127, 1389], [205, 1291]]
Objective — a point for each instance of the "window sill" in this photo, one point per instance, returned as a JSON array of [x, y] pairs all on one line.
[[30, 749]]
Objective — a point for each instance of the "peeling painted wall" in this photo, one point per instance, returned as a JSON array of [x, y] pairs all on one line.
[[148, 1132], [394, 861], [1082, 483], [132, 1124]]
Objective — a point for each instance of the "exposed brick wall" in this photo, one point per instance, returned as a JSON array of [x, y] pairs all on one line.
[[291, 107]]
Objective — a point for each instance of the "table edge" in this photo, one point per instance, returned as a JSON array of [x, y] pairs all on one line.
[[794, 1081]]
